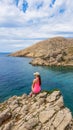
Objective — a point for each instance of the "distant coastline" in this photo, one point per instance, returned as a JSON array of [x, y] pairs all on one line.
[[56, 51], [5, 53]]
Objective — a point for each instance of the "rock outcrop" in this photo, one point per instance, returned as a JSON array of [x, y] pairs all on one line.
[[56, 51], [44, 111]]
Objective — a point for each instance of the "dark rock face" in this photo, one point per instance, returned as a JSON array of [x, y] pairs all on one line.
[[54, 51], [45, 111]]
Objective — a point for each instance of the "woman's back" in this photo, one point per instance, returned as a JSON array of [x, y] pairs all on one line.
[[37, 86]]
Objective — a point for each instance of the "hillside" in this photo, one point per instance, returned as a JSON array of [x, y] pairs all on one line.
[[53, 51], [44, 111]]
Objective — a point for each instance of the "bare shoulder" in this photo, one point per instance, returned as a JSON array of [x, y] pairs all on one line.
[[35, 80]]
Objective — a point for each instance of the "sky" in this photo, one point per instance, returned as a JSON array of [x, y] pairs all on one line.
[[25, 22]]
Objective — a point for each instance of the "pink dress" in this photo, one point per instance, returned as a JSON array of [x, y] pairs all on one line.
[[37, 88]]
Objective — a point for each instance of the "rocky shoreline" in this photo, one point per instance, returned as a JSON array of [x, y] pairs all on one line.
[[56, 51], [44, 111], [51, 62]]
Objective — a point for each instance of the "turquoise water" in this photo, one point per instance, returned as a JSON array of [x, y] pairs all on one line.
[[16, 75]]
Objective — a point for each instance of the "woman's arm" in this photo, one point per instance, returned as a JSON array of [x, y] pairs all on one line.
[[34, 81]]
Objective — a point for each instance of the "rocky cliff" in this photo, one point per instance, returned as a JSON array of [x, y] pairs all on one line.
[[54, 51], [45, 111]]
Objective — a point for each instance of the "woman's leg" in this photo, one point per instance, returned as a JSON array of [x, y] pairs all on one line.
[[31, 93]]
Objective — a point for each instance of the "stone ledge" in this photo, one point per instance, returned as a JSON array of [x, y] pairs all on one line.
[[44, 111]]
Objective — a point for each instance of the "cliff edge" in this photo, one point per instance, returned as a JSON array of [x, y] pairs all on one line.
[[44, 111], [56, 51]]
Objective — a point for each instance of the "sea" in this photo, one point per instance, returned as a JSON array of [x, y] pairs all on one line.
[[16, 76]]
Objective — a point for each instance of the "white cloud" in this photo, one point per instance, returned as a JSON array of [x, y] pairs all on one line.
[[45, 22]]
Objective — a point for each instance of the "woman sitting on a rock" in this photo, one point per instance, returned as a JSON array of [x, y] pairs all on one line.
[[36, 85]]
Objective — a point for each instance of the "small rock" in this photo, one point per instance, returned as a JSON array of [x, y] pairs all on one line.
[[4, 116], [8, 126], [31, 123], [59, 103], [24, 109], [54, 96], [66, 120], [28, 116], [42, 95], [60, 58], [24, 96], [58, 119], [46, 115]]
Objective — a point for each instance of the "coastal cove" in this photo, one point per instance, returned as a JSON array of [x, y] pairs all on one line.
[[16, 75]]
